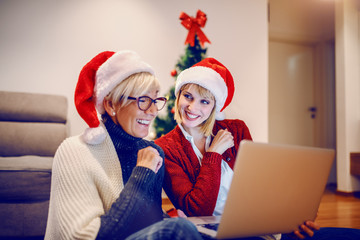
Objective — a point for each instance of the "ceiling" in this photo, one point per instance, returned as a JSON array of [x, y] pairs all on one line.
[[302, 20]]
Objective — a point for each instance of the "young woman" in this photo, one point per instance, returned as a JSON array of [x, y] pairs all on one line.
[[200, 151], [107, 183]]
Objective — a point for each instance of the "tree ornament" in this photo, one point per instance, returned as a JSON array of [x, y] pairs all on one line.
[[174, 73]]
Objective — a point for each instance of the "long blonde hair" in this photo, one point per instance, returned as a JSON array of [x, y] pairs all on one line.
[[207, 126]]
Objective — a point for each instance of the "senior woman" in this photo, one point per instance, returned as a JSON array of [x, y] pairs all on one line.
[[107, 182]]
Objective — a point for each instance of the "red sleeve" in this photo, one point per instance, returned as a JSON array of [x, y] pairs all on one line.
[[239, 131], [191, 188]]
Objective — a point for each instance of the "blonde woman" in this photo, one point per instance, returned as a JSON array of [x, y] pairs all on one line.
[[107, 182]]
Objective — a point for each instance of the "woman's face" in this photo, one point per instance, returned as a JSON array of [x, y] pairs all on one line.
[[135, 121], [194, 109]]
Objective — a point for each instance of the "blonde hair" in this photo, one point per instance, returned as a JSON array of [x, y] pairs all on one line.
[[135, 85], [207, 126]]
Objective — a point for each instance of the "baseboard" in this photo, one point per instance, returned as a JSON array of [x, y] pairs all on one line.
[[333, 187]]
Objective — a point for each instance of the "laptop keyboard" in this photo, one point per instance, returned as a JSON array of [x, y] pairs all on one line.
[[212, 226]]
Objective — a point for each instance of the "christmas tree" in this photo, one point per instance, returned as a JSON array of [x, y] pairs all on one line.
[[194, 53]]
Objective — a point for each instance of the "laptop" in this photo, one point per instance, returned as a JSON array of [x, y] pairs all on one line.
[[275, 188]]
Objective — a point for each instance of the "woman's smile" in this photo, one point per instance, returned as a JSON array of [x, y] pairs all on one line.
[[143, 122], [191, 116]]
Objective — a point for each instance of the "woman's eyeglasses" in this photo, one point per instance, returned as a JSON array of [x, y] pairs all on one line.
[[144, 102]]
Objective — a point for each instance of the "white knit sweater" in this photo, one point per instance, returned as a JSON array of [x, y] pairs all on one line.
[[75, 209]]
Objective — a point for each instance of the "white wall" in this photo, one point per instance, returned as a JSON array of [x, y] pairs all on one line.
[[347, 91], [44, 44]]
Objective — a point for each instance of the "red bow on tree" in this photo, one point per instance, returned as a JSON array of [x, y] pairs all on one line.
[[194, 25]]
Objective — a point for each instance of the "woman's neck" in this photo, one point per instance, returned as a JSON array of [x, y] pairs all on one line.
[[194, 132], [198, 137]]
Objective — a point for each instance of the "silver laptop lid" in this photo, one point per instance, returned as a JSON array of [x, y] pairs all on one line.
[[275, 188]]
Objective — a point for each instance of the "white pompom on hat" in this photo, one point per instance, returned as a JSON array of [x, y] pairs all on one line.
[[213, 76], [96, 80]]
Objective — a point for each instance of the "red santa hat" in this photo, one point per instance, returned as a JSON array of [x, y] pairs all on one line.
[[215, 77], [96, 80]]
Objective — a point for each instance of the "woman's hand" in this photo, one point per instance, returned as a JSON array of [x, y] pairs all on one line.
[[149, 157], [174, 213], [181, 214], [221, 142], [306, 229]]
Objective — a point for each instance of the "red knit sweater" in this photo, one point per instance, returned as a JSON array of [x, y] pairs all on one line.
[[191, 187]]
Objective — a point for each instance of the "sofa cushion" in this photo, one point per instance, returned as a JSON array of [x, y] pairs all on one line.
[[20, 220], [31, 107], [25, 179], [30, 138]]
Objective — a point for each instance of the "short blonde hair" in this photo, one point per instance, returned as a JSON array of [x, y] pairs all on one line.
[[135, 85], [207, 126]]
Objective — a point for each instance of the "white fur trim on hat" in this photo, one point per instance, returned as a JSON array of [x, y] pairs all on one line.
[[206, 78], [94, 136], [117, 68]]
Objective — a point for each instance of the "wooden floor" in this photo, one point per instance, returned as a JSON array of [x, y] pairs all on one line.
[[336, 209], [339, 210]]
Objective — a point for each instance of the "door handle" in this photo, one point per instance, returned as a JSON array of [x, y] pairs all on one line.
[[313, 111]]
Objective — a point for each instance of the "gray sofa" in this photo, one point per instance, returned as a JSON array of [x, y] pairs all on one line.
[[32, 126]]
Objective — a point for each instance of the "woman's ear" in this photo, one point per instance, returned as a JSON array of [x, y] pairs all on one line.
[[109, 107]]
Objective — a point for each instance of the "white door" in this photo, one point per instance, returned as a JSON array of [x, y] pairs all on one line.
[[291, 94]]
